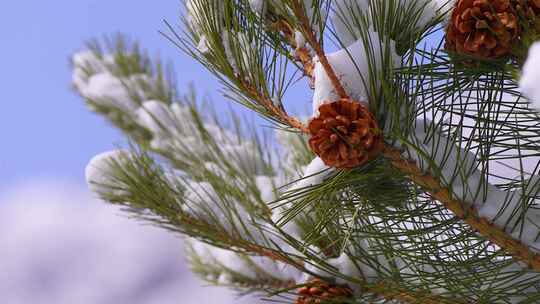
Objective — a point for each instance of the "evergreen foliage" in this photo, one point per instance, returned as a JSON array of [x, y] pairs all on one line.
[[447, 213]]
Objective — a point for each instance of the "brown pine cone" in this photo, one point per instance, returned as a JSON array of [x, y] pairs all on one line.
[[345, 135], [317, 291], [483, 28]]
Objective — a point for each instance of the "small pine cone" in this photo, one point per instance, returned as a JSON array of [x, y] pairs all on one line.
[[345, 134], [317, 291], [483, 28]]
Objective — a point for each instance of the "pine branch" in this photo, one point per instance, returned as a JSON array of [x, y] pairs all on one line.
[[431, 184], [405, 297], [138, 183], [387, 290], [242, 80], [241, 272], [469, 215]]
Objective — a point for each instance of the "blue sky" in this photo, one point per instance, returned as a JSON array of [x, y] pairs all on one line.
[[45, 128]]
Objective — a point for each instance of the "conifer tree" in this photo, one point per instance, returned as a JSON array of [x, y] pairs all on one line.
[[415, 179]]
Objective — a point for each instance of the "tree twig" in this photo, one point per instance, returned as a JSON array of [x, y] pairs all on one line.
[[384, 289], [269, 105], [298, 9], [302, 53]]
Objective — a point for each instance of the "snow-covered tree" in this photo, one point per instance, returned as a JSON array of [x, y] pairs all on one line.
[[415, 179]]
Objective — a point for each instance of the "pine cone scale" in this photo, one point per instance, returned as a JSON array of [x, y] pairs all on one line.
[[317, 291]]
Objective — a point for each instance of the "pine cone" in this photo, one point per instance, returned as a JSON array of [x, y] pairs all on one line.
[[483, 28], [345, 135], [317, 291]]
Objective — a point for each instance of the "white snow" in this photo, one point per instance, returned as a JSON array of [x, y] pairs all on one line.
[[95, 80], [352, 68], [492, 203], [444, 5], [107, 90], [316, 172], [174, 131], [85, 62], [257, 5], [171, 126], [197, 10], [98, 172], [299, 39], [346, 266], [156, 116], [530, 78], [202, 201], [202, 46], [292, 150], [276, 101], [238, 49], [247, 266], [348, 12], [266, 187]]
